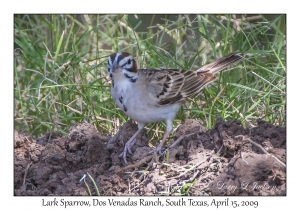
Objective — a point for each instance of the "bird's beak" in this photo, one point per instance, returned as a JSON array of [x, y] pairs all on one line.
[[115, 67]]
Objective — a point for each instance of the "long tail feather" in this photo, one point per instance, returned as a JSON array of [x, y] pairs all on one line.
[[221, 63]]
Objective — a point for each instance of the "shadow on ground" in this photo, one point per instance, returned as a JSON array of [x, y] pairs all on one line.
[[226, 160]]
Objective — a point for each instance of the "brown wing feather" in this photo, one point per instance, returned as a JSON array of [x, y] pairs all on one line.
[[170, 85]]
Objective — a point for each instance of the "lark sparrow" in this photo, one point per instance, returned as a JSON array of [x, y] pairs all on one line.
[[152, 95]]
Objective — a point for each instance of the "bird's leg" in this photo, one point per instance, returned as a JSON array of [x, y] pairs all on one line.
[[158, 148], [130, 143], [169, 128]]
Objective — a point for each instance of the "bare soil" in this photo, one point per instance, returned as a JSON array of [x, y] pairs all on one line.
[[226, 160]]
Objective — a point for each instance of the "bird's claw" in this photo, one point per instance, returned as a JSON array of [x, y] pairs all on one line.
[[127, 148], [129, 151], [158, 149], [123, 154]]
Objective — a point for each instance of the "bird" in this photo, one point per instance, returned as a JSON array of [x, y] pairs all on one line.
[[154, 95]]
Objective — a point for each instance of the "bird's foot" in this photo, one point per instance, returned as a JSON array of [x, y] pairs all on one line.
[[127, 149], [158, 149]]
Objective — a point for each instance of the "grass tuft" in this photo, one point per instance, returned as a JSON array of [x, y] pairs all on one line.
[[60, 67]]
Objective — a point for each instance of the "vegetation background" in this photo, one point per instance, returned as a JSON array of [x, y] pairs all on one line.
[[60, 67]]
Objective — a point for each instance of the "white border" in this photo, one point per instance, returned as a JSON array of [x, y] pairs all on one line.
[[153, 6]]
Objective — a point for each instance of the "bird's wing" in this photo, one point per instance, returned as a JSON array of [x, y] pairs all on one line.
[[169, 86]]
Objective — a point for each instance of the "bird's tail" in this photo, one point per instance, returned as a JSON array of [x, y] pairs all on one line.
[[221, 63]]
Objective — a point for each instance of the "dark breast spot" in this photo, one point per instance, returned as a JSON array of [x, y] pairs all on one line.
[[133, 80], [127, 76], [124, 108], [121, 99]]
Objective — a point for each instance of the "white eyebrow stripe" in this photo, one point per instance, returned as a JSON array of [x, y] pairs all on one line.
[[123, 62], [109, 62], [115, 60], [117, 55]]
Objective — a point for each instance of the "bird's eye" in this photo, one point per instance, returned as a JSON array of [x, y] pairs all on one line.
[[129, 61]]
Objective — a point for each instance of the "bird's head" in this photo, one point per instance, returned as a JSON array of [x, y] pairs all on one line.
[[122, 65]]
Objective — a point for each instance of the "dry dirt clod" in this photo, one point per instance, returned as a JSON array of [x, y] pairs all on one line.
[[226, 160]]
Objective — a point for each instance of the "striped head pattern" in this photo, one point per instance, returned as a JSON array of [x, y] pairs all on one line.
[[122, 63]]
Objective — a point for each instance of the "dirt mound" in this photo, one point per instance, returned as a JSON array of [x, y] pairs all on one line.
[[226, 160]]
